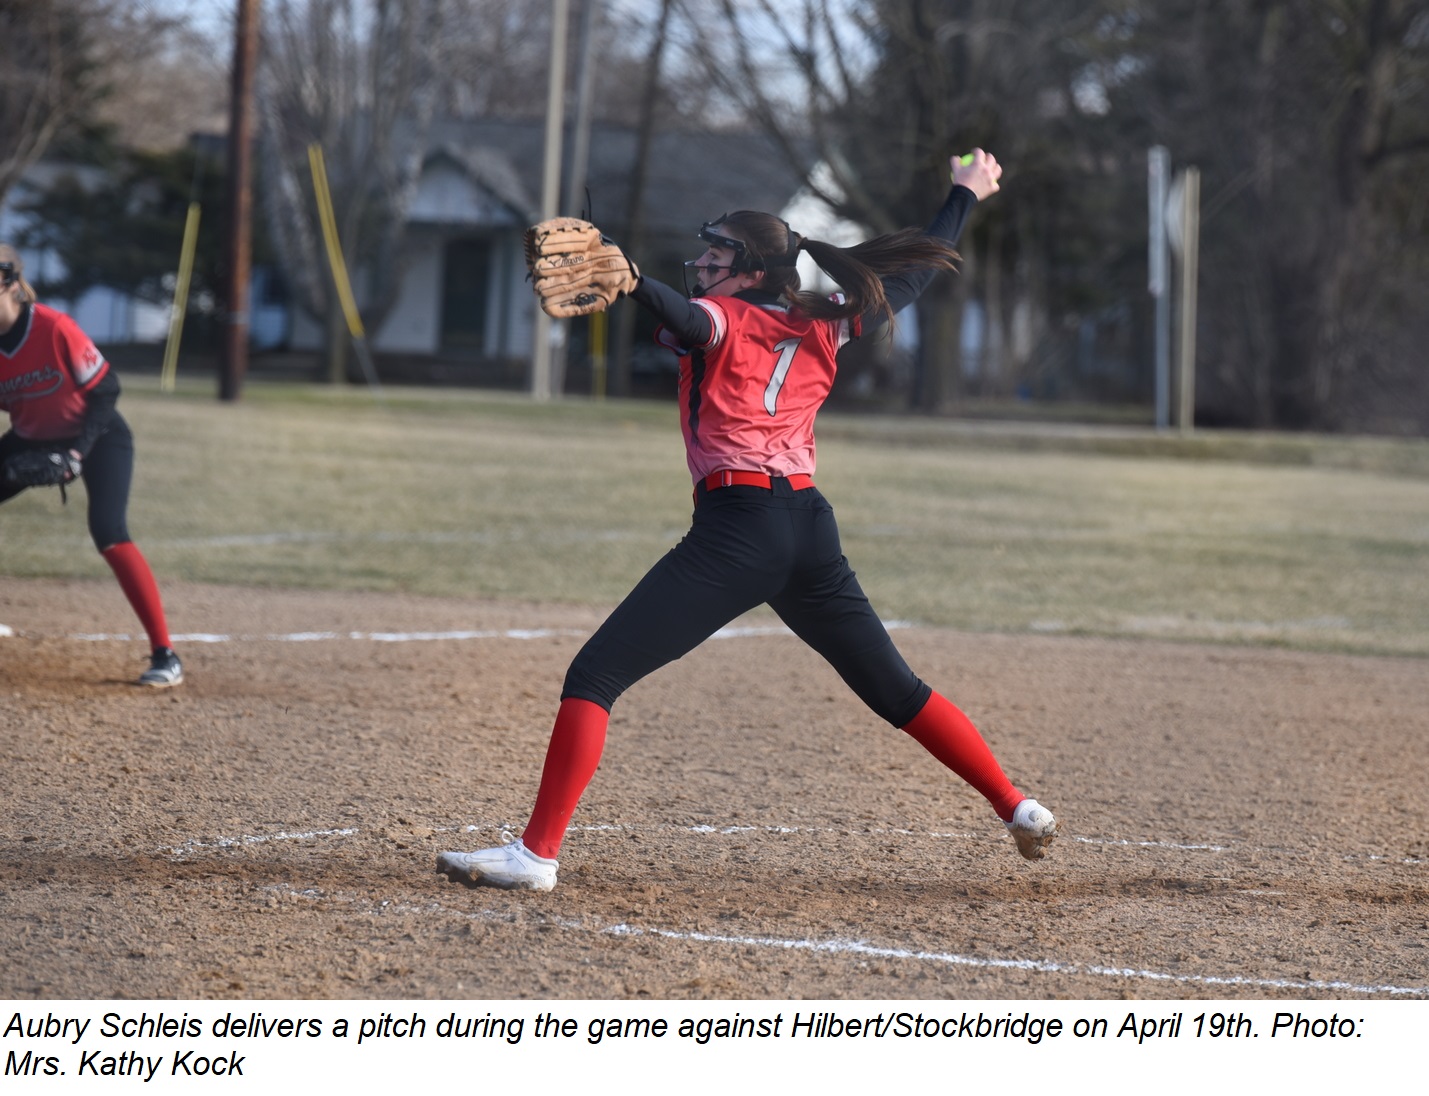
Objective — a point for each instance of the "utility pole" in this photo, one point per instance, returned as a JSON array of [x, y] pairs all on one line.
[[238, 245], [1158, 179], [634, 242], [585, 87], [550, 187], [576, 176]]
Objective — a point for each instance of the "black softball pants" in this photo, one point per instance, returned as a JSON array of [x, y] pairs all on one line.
[[108, 472], [748, 546]]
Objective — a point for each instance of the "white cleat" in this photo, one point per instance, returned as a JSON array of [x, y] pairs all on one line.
[[1033, 828], [511, 867]]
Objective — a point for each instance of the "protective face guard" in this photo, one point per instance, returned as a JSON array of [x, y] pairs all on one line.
[[690, 275], [743, 263]]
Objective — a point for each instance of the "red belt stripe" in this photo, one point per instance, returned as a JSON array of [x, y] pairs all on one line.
[[728, 478]]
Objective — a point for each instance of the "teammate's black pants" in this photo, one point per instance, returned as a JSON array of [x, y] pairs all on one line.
[[108, 472], [748, 546]]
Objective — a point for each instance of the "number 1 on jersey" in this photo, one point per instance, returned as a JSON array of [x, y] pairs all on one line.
[[787, 349]]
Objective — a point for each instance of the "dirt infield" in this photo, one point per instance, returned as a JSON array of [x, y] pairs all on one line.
[[1237, 823]]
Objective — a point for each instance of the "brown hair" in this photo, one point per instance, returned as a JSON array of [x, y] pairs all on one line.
[[15, 275], [857, 270]]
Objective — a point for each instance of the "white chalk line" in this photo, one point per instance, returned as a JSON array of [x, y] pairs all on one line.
[[250, 839], [731, 632], [1220, 629], [724, 831], [268, 540], [865, 950], [727, 831], [374, 637], [901, 832], [582, 536]]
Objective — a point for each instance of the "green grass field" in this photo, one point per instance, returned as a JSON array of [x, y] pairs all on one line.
[[1301, 542]]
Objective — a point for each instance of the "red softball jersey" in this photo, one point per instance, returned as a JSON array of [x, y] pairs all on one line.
[[748, 399], [44, 379]]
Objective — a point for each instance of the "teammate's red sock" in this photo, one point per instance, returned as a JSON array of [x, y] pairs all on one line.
[[945, 732], [571, 759], [137, 582]]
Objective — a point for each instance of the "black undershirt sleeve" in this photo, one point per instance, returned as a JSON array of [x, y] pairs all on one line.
[[685, 320], [99, 409], [692, 326], [903, 289]]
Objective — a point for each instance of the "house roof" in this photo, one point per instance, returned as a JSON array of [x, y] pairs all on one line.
[[692, 177], [491, 169]]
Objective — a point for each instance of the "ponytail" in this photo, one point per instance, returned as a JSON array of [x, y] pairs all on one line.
[[858, 271]]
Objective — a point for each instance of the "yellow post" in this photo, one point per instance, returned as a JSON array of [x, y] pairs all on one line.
[[339, 266], [334, 245], [181, 300]]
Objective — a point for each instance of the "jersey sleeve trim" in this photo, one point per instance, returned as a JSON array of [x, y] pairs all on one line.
[[78, 353], [718, 319]]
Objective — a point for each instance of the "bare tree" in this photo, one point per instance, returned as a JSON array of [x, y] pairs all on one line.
[[359, 78], [58, 60], [158, 99], [494, 56], [879, 93], [1310, 122]]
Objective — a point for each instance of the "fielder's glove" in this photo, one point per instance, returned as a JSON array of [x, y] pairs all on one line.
[[574, 269], [42, 468]]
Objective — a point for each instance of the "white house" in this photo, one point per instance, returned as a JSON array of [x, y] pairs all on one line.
[[464, 294]]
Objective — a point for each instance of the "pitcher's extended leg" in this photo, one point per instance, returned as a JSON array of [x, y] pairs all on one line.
[[944, 731], [571, 760]]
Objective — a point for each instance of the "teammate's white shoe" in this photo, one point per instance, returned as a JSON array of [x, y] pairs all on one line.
[[512, 867], [1033, 828]]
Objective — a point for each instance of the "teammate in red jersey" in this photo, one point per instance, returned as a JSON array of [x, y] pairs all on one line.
[[757, 360], [60, 394]]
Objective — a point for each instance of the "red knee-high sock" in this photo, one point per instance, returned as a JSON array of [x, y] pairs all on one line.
[[571, 759], [945, 732], [137, 582]]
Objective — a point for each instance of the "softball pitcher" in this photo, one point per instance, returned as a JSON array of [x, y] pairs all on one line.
[[757, 360], [60, 395]]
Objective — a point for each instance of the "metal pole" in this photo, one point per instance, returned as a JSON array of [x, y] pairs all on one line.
[[1190, 260], [1158, 166], [634, 223], [240, 200], [550, 186], [576, 175], [580, 139]]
